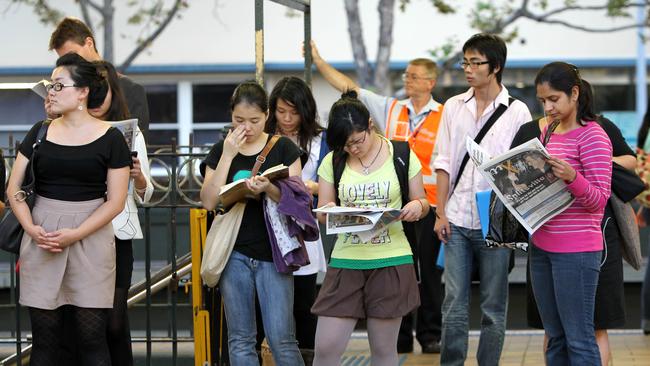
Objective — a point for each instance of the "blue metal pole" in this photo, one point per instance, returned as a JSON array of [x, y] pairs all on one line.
[[641, 73]]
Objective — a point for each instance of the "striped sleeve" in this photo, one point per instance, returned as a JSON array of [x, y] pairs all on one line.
[[592, 187]]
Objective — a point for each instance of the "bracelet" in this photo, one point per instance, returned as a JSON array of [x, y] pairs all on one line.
[[421, 204], [140, 190]]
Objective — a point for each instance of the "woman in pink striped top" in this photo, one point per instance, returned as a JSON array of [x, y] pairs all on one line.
[[565, 257]]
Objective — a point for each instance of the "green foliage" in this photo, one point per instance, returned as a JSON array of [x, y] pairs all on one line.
[[618, 8], [445, 50], [441, 5], [46, 14]]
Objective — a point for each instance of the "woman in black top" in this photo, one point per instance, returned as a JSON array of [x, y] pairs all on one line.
[[67, 254], [609, 311], [250, 268]]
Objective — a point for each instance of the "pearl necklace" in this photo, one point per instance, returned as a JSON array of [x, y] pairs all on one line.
[[366, 169]]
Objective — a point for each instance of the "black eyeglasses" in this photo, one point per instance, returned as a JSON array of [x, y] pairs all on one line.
[[58, 86], [472, 64], [350, 144]]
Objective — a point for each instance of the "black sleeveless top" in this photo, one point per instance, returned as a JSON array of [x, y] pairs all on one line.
[[75, 173]]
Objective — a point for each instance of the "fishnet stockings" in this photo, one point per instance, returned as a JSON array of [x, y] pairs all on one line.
[[90, 329]]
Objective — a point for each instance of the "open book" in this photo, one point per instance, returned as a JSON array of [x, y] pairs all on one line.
[[129, 128], [237, 191], [366, 223]]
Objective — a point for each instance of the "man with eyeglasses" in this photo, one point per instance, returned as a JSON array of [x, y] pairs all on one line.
[[415, 120], [72, 35], [458, 224]]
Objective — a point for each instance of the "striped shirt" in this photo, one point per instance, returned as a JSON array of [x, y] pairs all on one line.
[[577, 229]]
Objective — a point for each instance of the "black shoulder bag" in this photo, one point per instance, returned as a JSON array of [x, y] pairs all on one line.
[[504, 230], [11, 232]]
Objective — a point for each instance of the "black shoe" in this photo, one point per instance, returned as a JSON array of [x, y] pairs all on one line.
[[405, 348], [431, 347]]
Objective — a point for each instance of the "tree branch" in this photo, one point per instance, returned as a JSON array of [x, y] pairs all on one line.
[[147, 42], [83, 4], [358, 44], [592, 30], [386, 10], [590, 8], [94, 5]]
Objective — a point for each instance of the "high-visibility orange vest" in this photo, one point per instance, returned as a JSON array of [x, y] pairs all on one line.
[[422, 140]]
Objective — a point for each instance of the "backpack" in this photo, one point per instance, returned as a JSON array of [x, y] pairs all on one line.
[[401, 157]]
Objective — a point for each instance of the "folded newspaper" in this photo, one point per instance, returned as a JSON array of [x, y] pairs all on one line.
[[129, 128], [366, 223], [524, 182]]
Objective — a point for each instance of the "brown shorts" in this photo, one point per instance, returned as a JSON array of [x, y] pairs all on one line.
[[385, 293]]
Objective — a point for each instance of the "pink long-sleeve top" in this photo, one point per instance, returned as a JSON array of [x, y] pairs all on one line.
[[577, 229]]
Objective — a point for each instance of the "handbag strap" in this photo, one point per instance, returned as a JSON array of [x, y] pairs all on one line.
[[486, 128], [39, 138], [549, 131], [261, 158]]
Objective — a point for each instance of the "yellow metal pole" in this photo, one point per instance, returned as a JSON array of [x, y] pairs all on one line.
[[201, 318]]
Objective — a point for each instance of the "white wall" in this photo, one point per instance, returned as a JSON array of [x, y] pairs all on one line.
[[222, 31]]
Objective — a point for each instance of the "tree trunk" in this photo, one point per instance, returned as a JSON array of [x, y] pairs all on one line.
[[386, 10], [364, 73], [107, 15]]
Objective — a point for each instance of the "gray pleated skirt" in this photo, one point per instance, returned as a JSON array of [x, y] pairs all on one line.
[[82, 275]]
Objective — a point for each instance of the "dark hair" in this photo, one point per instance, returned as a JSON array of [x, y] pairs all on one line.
[[347, 115], [252, 93], [295, 92], [492, 47], [562, 76], [118, 109], [71, 29], [84, 74]]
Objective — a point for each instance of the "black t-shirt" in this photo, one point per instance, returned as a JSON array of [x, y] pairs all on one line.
[[252, 239], [75, 173]]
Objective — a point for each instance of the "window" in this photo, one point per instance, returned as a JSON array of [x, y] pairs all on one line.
[[211, 103], [20, 106], [162, 103]]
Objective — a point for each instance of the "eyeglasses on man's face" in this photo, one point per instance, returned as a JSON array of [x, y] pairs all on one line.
[[413, 77], [57, 87], [472, 64], [360, 141]]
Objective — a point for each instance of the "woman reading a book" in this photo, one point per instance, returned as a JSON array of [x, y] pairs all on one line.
[[293, 114], [250, 269], [566, 252], [67, 254], [373, 280]]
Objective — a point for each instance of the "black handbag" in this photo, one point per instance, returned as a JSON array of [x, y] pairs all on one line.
[[11, 232], [626, 184]]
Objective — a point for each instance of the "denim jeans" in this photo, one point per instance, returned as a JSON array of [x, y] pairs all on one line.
[[564, 285], [241, 279], [465, 247]]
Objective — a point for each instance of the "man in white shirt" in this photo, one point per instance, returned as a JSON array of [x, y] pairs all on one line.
[[458, 224], [416, 120]]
